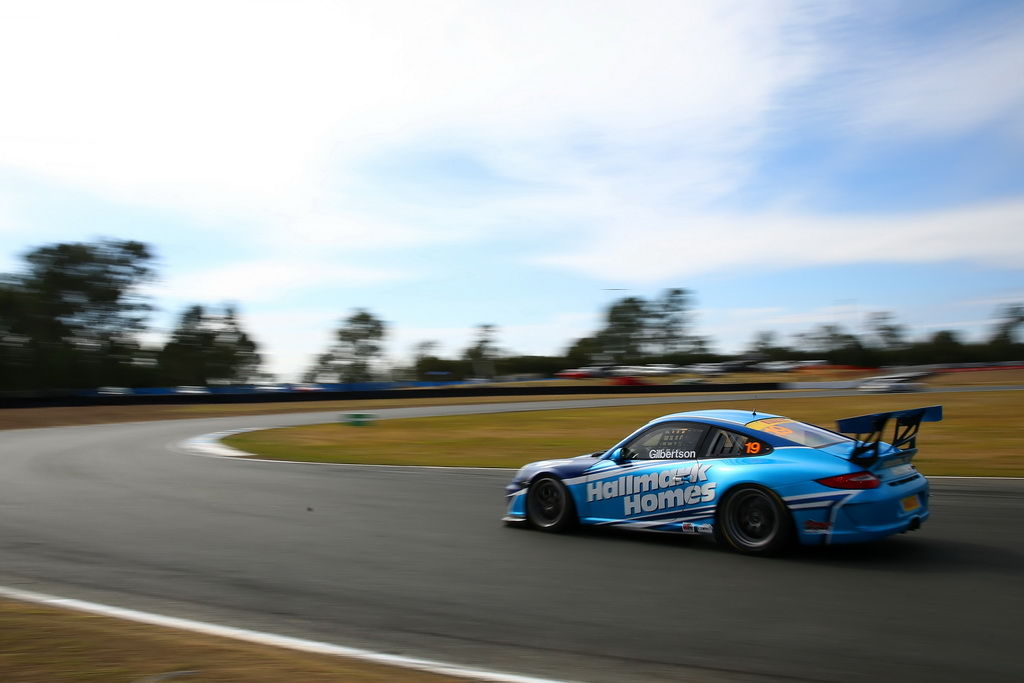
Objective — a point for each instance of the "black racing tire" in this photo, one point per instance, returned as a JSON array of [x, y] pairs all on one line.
[[549, 505], [754, 521]]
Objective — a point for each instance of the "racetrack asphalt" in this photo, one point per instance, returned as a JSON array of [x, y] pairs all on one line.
[[414, 561]]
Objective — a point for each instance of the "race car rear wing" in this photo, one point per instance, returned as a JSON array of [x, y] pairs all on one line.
[[867, 430]]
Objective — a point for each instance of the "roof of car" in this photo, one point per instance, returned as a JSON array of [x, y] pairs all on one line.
[[741, 417]]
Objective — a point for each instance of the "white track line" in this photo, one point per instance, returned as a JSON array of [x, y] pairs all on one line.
[[209, 445], [270, 639]]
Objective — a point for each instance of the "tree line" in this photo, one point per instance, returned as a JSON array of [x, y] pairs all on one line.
[[74, 316], [637, 331]]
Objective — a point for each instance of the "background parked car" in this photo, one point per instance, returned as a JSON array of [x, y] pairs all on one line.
[[114, 391], [891, 383], [270, 387]]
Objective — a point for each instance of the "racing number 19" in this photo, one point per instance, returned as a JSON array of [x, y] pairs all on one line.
[[753, 447]]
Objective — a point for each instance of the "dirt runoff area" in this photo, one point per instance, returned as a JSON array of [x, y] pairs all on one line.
[[40, 643]]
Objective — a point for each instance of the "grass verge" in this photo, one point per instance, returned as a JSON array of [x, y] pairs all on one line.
[[40, 643], [20, 418], [977, 438]]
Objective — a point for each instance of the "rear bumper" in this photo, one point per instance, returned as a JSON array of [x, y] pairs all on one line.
[[862, 533], [858, 516]]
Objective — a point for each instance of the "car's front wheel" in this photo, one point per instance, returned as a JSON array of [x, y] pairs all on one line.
[[755, 521], [549, 506]]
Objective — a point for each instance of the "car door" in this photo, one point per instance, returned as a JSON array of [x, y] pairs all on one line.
[[651, 479]]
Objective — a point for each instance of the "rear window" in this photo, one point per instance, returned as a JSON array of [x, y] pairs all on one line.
[[798, 432]]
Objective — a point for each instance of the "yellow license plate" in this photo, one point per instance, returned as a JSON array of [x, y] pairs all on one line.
[[910, 503]]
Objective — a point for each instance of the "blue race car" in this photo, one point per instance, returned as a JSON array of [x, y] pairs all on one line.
[[753, 481]]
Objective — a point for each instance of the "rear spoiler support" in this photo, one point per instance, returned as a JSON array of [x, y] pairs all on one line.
[[867, 429]]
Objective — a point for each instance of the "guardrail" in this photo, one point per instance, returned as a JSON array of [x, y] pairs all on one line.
[[461, 391]]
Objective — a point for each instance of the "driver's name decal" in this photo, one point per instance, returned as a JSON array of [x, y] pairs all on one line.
[[671, 453]]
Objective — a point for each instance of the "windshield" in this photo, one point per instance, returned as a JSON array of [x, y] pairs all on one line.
[[798, 432]]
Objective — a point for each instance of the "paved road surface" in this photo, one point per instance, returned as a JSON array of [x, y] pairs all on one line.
[[414, 561]]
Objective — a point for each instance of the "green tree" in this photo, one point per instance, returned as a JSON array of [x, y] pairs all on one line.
[[1004, 335], [358, 343], [836, 344], [71, 318], [483, 351], [945, 347], [16, 352], [207, 345], [422, 353], [636, 328], [889, 335], [583, 351], [424, 349], [669, 321], [322, 369], [238, 359], [765, 344], [625, 335]]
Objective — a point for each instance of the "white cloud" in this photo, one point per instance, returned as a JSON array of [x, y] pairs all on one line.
[[773, 317], [949, 87], [259, 110], [8, 226], [268, 280], [652, 248], [1000, 300], [549, 336], [623, 123], [289, 340], [748, 313], [629, 120], [313, 233], [956, 325]]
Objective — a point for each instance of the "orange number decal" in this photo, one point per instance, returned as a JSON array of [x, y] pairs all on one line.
[[778, 429], [753, 447]]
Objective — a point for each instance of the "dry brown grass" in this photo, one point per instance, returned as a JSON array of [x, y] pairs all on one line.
[[979, 377], [980, 435], [39, 643], [18, 418]]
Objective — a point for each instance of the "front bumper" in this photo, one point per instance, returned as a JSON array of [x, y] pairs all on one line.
[[515, 504]]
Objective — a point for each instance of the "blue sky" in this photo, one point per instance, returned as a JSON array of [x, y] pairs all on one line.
[[447, 164]]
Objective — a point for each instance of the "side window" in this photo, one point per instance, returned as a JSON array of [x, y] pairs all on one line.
[[668, 441], [726, 444]]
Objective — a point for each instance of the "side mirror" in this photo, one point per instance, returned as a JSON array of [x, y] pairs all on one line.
[[623, 454]]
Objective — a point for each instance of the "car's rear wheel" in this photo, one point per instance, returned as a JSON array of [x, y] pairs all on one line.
[[755, 521], [549, 506]]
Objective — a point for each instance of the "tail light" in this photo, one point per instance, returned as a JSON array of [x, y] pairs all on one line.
[[856, 480]]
